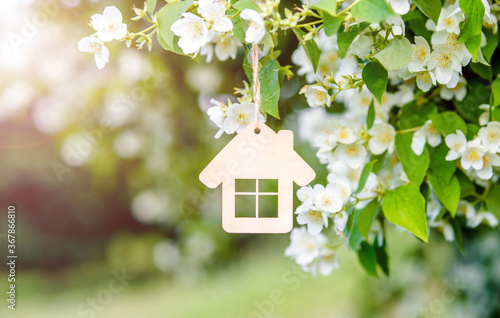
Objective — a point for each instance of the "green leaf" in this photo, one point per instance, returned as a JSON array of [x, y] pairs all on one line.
[[355, 237], [439, 165], [328, 6], [431, 8], [166, 16], [364, 175], [344, 39], [405, 207], [372, 10], [491, 43], [414, 166], [493, 200], [382, 257], [270, 88], [448, 123], [396, 55], [246, 4], [447, 192], [482, 70], [367, 216], [459, 239], [151, 4], [375, 77], [332, 23], [477, 94], [495, 91], [471, 28], [415, 20], [367, 259], [467, 187], [414, 115], [370, 118], [310, 47]]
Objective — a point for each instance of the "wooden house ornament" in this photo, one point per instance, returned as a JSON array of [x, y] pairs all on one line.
[[260, 159]]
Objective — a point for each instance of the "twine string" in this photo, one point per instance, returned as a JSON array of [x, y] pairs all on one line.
[[256, 82]]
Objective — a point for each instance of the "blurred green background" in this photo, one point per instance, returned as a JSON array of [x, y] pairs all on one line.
[[112, 221]]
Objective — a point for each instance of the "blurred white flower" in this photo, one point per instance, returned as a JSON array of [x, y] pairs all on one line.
[[109, 25], [458, 91], [217, 114], [192, 31], [238, 116], [204, 78], [77, 149], [316, 95], [345, 134], [213, 11], [426, 134], [353, 154], [306, 195], [149, 206], [256, 29], [327, 261], [485, 116], [226, 47], [490, 136], [446, 64], [340, 221], [94, 46], [382, 138], [304, 247], [166, 255], [420, 56], [490, 160], [474, 219], [457, 144], [445, 228], [344, 184], [401, 7], [128, 144], [51, 115], [325, 141]]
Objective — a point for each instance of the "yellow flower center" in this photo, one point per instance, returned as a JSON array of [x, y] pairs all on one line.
[[343, 133], [473, 156], [320, 96], [352, 151], [194, 29], [448, 21], [315, 216], [385, 137], [424, 77], [452, 41], [444, 60], [242, 118], [493, 136], [419, 53], [457, 146], [95, 48]]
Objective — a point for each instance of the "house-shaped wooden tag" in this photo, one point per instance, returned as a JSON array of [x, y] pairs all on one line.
[[257, 158]]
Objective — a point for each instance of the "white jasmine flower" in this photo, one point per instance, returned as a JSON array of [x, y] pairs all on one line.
[[446, 64], [256, 29], [325, 141], [420, 56], [109, 25], [300, 58], [371, 189], [227, 47], [401, 7], [473, 155], [459, 91], [192, 31], [490, 136], [94, 46], [306, 195], [449, 20], [485, 116], [314, 218], [213, 11], [451, 40], [329, 198], [345, 134], [457, 144], [445, 228], [353, 154], [238, 116], [340, 221], [217, 114], [382, 138], [327, 261], [316, 95], [490, 160], [426, 134], [475, 219], [344, 184], [425, 80], [304, 247]]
